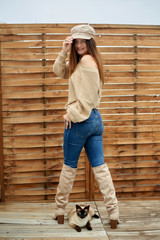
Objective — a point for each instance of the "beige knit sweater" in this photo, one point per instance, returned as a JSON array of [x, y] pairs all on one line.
[[84, 88]]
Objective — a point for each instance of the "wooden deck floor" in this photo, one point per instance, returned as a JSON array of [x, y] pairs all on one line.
[[140, 220]]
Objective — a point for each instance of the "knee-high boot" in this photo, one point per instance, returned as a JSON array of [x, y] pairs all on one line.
[[63, 191], [103, 177]]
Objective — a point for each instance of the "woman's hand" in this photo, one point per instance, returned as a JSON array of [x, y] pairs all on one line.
[[67, 121], [67, 44]]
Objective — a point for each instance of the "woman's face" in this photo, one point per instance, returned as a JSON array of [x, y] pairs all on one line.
[[81, 46]]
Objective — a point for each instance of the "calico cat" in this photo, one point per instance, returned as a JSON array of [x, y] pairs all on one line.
[[80, 216]]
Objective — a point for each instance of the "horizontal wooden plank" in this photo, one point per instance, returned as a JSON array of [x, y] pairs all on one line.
[[58, 162], [13, 142], [109, 131], [109, 105], [131, 153], [109, 120], [11, 171], [27, 95], [49, 89], [36, 56], [27, 69], [51, 118], [100, 29], [53, 56], [36, 30], [127, 49], [32, 82], [33, 144], [62, 36], [134, 189], [41, 192], [133, 165], [100, 42], [136, 140], [33, 119], [131, 92], [40, 94], [34, 179], [60, 98], [41, 155], [33, 168], [30, 44], [59, 154]]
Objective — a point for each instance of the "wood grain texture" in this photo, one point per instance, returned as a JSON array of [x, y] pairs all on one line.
[[138, 220], [33, 100], [35, 221]]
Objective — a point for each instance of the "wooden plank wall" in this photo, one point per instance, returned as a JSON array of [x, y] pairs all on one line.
[[33, 105]]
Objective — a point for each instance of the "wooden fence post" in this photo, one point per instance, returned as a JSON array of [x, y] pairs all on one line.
[[1, 138], [44, 112], [135, 108], [90, 181]]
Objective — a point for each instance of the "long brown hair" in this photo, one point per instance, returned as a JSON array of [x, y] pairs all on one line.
[[74, 57]]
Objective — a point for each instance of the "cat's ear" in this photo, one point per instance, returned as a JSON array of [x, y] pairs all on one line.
[[87, 208], [78, 207]]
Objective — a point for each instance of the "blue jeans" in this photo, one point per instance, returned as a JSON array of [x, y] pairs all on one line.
[[87, 134]]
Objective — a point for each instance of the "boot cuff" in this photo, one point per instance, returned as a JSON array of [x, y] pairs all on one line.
[[114, 214], [69, 169], [59, 211]]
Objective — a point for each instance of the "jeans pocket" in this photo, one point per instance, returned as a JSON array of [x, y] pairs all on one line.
[[84, 129]]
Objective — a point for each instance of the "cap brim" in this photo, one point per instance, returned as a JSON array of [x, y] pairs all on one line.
[[82, 36]]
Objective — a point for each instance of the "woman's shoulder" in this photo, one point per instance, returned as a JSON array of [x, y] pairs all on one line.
[[88, 61]]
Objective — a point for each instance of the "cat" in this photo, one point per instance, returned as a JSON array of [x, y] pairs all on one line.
[[80, 216]]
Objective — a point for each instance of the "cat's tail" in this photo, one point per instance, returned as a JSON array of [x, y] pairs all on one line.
[[92, 213], [95, 216]]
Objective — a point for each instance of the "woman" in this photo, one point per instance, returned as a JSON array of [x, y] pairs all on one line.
[[83, 122]]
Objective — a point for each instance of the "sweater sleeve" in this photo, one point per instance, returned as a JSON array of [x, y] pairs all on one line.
[[60, 67], [86, 85]]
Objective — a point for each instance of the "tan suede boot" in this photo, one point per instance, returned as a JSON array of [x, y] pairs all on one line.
[[103, 177], [63, 191]]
